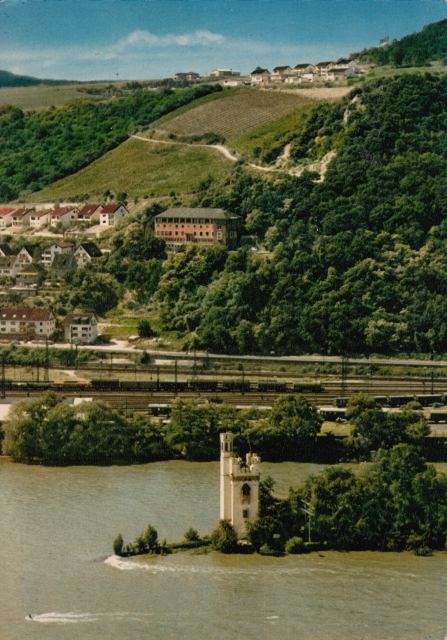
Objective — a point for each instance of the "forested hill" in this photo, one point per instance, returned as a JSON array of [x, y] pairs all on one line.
[[8, 79], [359, 260], [414, 50], [38, 148]]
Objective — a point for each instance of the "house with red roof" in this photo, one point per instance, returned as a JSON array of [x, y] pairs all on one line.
[[64, 215], [112, 213], [89, 213], [6, 216], [40, 218]]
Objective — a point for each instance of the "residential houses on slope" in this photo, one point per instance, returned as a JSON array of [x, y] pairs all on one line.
[[106, 215], [327, 71]]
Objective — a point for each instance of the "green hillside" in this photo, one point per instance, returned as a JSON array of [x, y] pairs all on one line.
[[37, 149], [358, 260], [8, 79], [414, 50], [140, 169]]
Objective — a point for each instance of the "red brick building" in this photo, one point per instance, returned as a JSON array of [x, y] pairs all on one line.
[[206, 227]]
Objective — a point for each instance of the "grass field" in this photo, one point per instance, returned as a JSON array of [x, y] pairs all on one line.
[[236, 113], [42, 96], [140, 169]]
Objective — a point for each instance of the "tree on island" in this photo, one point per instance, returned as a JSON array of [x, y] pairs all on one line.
[[224, 537]]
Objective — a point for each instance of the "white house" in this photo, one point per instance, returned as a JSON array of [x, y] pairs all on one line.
[[26, 323], [6, 216], [111, 214], [50, 252], [222, 73], [64, 215], [281, 73], [24, 257], [85, 253], [239, 486], [260, 76], [89, 213], [303, 67], [188, 75], [80, 328], [40, 218]]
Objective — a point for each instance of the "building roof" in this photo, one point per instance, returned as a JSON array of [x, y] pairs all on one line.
[[25, 313], [6, 249], [42, 212], [111, 208], [91, 248], [304, 65], [29, 269], [258, 71], [89, 209], [323, 64], [78, 318], [7, 261], [343, 61], [21, 212], [62, 245], [4, 211], [62, 211], [29, 249], [189, 212], [279, 69]]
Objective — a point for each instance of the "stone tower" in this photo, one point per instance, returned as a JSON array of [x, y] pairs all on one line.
[[239, 486]]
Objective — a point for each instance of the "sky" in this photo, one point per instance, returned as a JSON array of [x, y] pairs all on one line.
[[144, 39]]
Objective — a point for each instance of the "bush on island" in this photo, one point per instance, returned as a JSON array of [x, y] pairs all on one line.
[[192, 535], [295, 545], [224, 537]]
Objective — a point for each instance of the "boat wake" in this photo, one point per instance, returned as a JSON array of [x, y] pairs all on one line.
[[77, 618]]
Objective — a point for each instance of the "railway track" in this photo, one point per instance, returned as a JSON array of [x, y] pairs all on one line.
[[139, 400]]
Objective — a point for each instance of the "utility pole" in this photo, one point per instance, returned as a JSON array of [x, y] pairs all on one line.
[[344, 375], [310, 512], [47, 361], [175, 377], [3, 377]]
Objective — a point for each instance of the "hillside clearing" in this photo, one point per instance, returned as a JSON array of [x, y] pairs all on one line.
[[139, 169], [42, 96], [236, 114]]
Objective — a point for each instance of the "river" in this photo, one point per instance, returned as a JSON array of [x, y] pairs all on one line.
[[56, 532]]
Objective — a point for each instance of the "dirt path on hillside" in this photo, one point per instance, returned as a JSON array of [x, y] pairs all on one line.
[[218, 147], [320, 167]]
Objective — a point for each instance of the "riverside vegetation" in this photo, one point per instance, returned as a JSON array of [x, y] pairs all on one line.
[[49, 431]]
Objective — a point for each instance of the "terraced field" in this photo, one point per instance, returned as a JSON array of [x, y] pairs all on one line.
[[140, 169], [236, 114]]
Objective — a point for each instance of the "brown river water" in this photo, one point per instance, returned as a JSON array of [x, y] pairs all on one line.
[[56, 532]]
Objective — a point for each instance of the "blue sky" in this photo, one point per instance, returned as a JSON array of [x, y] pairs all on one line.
[[141, 39]]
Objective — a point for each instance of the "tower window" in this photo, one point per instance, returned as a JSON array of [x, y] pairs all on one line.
[[245, 513], [246, 490]]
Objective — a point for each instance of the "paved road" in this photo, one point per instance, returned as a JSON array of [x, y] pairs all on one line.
[[121, 346]]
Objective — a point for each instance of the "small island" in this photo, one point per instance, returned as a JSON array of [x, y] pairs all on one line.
[[395, 502]]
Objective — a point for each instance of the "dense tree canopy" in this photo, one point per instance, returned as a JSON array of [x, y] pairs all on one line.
[[358, 260]]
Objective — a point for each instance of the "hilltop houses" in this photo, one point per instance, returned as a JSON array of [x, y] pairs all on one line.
[[189, 76]]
